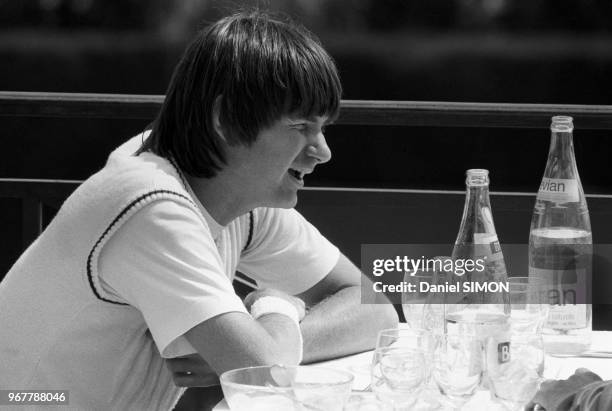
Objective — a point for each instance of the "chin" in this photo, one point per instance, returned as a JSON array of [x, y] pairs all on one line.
[[285, 200]]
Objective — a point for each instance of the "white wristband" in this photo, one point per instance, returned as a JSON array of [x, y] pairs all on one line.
[[276, 305]]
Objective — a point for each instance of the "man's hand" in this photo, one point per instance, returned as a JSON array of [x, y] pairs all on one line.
[[192, 371], [257, 294], [558, 395]]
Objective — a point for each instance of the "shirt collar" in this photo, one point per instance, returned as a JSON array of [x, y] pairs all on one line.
[[214, 227]]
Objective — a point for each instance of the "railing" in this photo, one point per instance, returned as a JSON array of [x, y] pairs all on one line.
[[354, 112]]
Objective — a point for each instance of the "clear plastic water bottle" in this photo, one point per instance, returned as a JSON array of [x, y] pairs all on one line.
[[486, 312], [560, 246]]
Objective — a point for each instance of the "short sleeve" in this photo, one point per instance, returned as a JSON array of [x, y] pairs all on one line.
[[287, 252], [164, 262]]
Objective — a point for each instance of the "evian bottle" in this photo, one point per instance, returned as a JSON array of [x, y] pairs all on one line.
[[485, 312], [560, 246]]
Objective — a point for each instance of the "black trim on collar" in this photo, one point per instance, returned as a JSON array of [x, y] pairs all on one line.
[[250, 236], [119, 216], [179, 172]]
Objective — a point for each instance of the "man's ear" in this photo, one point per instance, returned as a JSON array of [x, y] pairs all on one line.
[[216, 118]]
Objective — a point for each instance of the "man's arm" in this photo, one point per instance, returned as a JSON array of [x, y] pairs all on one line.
[[235, 340], [337, 324]]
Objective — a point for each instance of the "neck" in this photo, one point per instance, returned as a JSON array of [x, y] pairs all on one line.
[[220, 197]]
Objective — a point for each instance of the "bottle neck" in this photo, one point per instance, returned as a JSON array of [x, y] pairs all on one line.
[[477, 217], [561, 158], [476, 198], [477, 195], [562, 142]]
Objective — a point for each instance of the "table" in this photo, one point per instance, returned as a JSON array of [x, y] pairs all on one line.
[[554, 368]]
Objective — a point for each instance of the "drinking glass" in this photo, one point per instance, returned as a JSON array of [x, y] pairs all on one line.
[[401, 365], [413, 303], [458, 366], [515, 382], [280, 388], [528, 311], [423, 308]]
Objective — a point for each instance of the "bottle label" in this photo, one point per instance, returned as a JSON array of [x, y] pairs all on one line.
[[565, 291], [487, 245], [488, 248], [503, 352], [567, 317], [559, 190], [497, 348]]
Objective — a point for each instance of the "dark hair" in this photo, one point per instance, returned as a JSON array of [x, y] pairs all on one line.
[[261, 68]]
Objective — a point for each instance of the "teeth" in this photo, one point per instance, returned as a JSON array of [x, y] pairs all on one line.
[[297, 174]]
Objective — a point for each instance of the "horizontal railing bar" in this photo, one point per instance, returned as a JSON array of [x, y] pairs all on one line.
[[336, 189], [353, 112], [421, 191], [39, 181], [62, 105], [451, 114]]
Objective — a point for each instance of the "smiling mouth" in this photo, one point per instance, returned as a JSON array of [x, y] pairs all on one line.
[[298, 175]]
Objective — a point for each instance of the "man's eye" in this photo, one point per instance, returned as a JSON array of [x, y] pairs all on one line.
[[300, 127]]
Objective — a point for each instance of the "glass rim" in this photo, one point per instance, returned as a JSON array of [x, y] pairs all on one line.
[[401, 350], [224, 378], [414, 331], [562, 118], [477, 172], [473, 320], [463, 336]]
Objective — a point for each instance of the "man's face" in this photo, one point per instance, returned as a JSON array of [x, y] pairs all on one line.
[[272, 169]]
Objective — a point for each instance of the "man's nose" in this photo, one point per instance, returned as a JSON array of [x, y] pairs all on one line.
[[320, 150]]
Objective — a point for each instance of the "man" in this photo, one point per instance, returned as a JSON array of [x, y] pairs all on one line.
[[138, 263]]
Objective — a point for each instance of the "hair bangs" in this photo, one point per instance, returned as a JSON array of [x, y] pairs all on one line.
[[283, 70], [314, 86]]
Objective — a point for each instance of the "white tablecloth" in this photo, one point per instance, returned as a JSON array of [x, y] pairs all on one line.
[[554, 368]]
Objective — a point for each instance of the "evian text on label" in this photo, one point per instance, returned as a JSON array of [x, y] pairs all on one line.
[[558, 190]]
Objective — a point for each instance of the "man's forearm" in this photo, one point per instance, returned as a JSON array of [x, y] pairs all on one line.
[[285, 335], [340, 325], [234, 340]]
